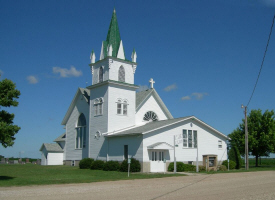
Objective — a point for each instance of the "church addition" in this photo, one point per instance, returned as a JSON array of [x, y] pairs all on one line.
[[109, 120]]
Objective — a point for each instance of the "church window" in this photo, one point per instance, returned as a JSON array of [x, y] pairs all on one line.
[[125, 108], [189, 138], [150, 116], [121, 74], [100, 75], [80, 139], [220, 144], [119, 107], [122, 107], [98, 105]]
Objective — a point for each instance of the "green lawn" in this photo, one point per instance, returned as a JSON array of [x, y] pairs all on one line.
[[29, 174], [266, 164]]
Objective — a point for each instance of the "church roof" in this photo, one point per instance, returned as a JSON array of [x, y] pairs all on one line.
[[61, 138], [51, 147], [149, 127], [155, 125], [113, 36], [141, 96]]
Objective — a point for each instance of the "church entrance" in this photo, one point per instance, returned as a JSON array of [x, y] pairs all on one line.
[[157, 158]]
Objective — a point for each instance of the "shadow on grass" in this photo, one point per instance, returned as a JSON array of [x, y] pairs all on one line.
[[4, 178]]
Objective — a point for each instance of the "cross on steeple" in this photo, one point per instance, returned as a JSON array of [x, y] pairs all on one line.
[[151, 81]]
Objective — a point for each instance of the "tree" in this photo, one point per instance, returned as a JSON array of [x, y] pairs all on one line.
[[261, 134], [8, 96], [235, 156]]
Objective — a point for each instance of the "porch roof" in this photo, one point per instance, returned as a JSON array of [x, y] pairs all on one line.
[[160, 146]]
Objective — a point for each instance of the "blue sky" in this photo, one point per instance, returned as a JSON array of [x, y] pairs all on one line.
[[204, 56]]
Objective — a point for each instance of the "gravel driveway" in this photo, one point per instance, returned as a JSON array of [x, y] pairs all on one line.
[[249, 185]]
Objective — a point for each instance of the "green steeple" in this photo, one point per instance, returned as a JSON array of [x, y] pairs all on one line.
[[113, 36]]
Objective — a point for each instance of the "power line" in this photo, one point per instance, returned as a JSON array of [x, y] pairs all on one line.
[[262, 60]]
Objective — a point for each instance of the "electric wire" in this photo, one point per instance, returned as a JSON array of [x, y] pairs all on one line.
[[262, 61]]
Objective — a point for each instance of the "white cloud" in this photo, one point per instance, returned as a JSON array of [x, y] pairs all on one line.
[[170, 87], [185, 98], [199, 96], [64, 73], [32, 79], [142, 88]]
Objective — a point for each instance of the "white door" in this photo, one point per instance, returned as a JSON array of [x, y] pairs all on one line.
[[157, 164]]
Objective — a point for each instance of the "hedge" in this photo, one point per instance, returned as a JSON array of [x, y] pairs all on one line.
[[134, 166], [111, 166], [86, 163]]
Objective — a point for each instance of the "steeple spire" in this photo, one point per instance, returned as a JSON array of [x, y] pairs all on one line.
[[113, 36]]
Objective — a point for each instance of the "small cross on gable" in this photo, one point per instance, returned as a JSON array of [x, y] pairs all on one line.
[[151, 81]]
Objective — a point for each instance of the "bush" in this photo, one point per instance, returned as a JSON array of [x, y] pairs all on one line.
[[202, 168], [188, 167], [235, 156], [86, 163], [134, 166], [111, 166], [98, 165], [181, 167], [232, 164], [223, 168]]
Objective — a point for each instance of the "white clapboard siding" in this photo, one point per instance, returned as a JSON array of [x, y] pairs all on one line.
[[150, 105], [207, 142], [71, 152], [55, 158]]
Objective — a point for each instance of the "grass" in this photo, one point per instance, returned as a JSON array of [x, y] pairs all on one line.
[[266, 164], [29, 174], [262, 162]]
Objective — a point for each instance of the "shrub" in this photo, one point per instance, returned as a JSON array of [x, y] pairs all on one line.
[[111, 166], [86, 163], [223, 168], [232, 164], [180, 167], [134, 166], [202, 168], [98, 165], [235, 156], [189, 167]]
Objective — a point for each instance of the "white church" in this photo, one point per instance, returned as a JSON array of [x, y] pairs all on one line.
[[109, 120]]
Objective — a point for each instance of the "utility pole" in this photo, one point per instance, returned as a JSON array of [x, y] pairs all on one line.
[[246, 138]]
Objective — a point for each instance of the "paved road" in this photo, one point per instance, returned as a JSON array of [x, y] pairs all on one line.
[[249, 185]]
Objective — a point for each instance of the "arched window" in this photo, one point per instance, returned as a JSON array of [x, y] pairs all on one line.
[[121, 74], [98, 104], [150, 116], [100, 75], [80, 138], [122, 107]]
